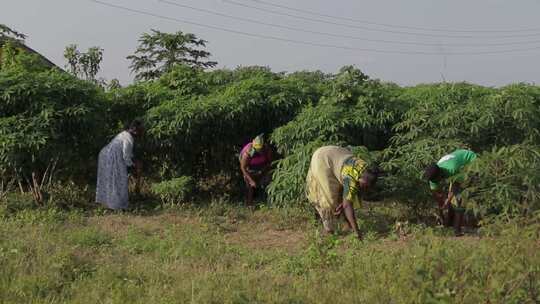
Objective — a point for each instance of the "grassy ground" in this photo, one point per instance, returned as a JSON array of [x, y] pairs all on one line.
[[226, 254]]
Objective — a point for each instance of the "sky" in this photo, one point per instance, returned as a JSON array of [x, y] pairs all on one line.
[[488, 42]]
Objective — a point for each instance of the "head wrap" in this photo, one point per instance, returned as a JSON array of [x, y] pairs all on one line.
[[258, 142]]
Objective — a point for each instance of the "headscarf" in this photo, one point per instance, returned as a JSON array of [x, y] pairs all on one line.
[[258, 142]]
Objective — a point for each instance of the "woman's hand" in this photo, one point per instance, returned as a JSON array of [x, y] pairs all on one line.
[[445, 204], [138, 166], [252, 183], [245, 171], [338, 210], [346, 208]]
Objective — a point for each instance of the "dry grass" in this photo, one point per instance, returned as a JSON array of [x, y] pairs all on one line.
[[267, 237], [224, 254]]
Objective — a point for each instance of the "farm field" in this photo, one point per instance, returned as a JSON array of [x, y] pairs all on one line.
[[168, 148], [226, 254]]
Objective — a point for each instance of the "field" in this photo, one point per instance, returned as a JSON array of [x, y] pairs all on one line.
[[188, 239], [221, 253]]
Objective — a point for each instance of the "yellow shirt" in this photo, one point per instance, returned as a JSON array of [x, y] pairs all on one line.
[[351, 172]]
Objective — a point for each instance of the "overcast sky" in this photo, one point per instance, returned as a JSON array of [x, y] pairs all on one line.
[[487, 25]]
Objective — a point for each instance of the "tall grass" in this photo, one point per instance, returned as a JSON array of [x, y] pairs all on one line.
[[224, 254]]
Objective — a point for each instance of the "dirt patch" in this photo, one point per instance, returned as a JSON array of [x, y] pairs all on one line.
[[266, 237], [252, 234], [120, 224]]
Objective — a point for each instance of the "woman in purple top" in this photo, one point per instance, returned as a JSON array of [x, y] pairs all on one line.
[[255, 162]]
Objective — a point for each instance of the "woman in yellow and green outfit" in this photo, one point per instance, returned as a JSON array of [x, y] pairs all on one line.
[[334, 180]]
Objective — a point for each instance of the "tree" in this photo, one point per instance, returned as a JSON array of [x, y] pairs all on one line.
[[84, 65], [114, 85], [159, 52]]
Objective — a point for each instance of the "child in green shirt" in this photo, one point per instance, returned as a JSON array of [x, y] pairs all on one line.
[[450, 168]]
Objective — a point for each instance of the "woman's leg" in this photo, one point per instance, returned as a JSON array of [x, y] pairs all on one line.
[[347, 227], [459, 209], [458, 221], [449, 222], [250, 191]]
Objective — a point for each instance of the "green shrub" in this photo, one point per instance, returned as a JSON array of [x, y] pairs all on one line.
[[175, 190], [289, 177], [90, 238], [16, 201], [355, 112], [48, 115], [505, 180], [500, 125], [69, 195], [202, 135], [197, 121]]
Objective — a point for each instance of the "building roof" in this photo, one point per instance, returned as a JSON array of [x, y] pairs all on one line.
[[22, 45]]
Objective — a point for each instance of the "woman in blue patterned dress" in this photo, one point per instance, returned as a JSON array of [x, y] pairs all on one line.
[[113, 163]]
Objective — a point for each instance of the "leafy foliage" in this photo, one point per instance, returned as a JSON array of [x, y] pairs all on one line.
[[175, 190], [84, 65], [354, 111], [198, 120], [200, 134], [492, 122], [47, 115], [505, 180], [289, 177]]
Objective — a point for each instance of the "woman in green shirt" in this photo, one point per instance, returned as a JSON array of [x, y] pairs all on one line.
[[450, 167]]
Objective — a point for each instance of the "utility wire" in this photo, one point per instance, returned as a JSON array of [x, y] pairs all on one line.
[[392, 25], [175, 3], [268, 37], [370, 28]]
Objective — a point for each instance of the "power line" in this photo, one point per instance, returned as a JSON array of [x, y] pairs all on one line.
[[307, 42], [393, 25], [347, 36], [370, 28]]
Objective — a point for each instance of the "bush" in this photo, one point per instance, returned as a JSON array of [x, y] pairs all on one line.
[[175, 190], [202, 135], [68, 195], [500, 125], [47, 115], [197, 121], [289, 177], [356, 112], [505, 180]]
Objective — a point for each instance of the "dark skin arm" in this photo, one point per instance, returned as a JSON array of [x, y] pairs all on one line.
[[135, 174], [347, 209], [138, 167], [450, 194], [439, 198], [244, 167]]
